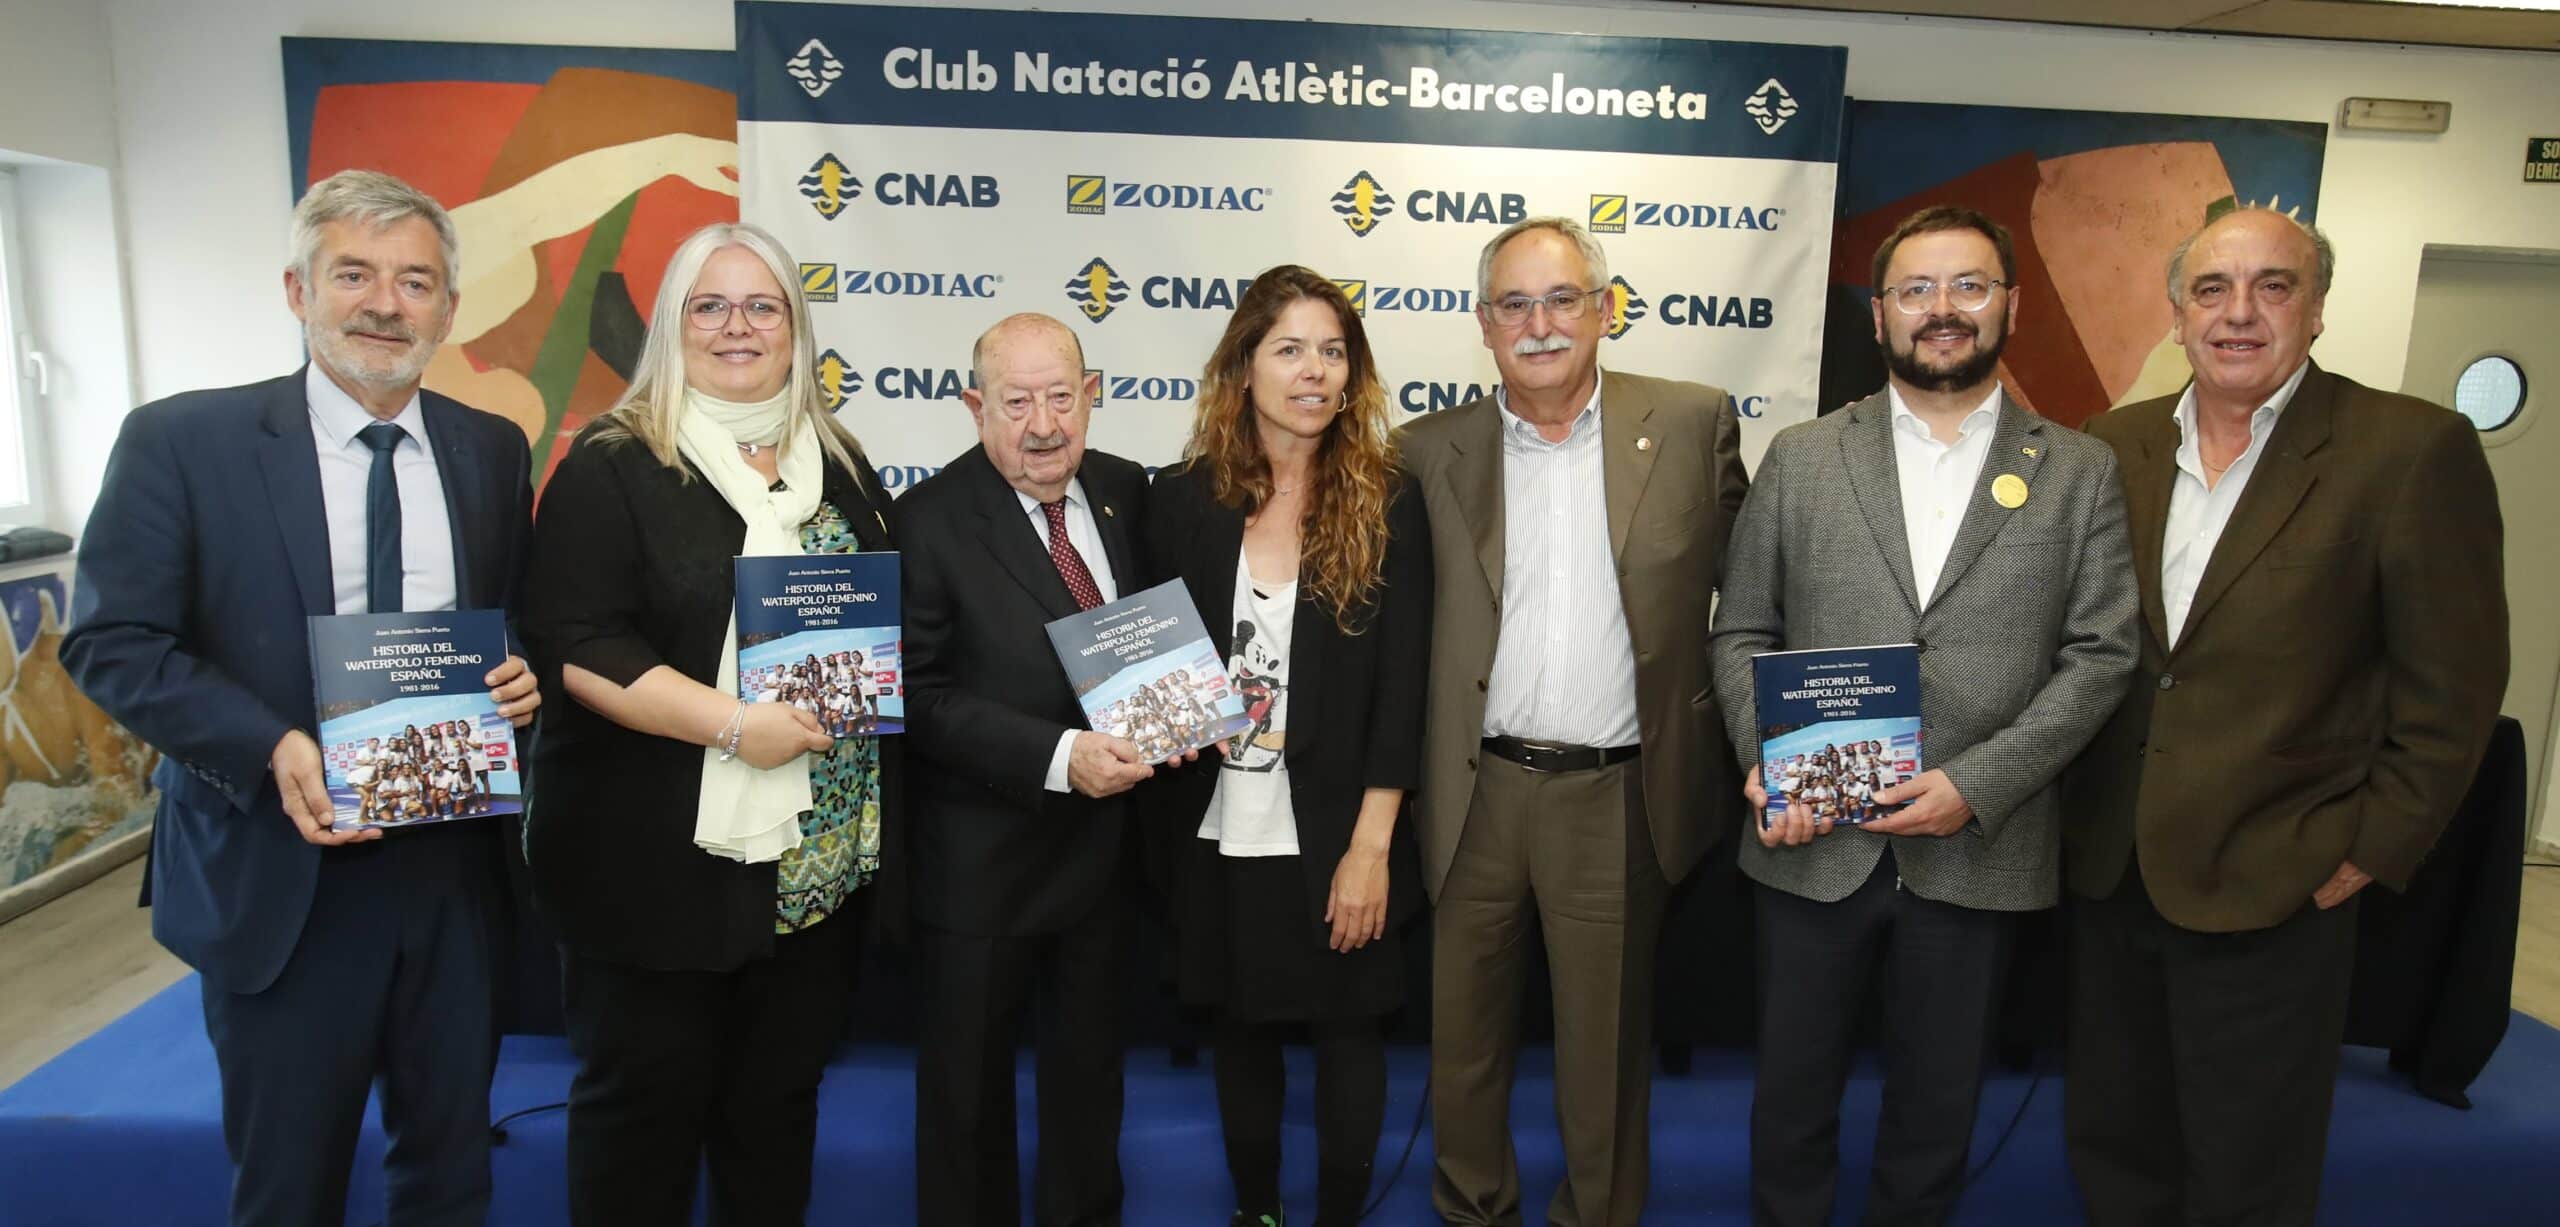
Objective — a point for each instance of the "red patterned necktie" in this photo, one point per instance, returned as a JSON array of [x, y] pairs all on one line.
[[1071, 566]]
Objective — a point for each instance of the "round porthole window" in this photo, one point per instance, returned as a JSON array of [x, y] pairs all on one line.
[[2490, 392]]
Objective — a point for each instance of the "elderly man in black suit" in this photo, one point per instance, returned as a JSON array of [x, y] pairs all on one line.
[[1018, 822]]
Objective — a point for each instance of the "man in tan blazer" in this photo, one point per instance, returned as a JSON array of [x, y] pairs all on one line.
[[2324, 647], [1573, 761]]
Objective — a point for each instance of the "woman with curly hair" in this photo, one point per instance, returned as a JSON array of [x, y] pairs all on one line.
[[1306, 551]]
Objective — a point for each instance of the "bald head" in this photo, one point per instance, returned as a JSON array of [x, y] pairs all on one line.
[[1029, 330], [2319, 262], [1032, 403]]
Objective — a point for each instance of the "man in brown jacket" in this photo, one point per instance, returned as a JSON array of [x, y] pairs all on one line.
[[1574, 764], [2324, 648]]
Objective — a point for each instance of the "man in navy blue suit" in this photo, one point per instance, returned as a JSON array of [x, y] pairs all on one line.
[[329, 958]]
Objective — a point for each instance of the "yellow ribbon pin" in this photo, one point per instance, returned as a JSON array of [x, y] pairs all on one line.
[[2009, 490]]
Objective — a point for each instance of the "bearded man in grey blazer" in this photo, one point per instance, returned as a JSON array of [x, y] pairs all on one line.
[[1936, 511], [1571, 770]]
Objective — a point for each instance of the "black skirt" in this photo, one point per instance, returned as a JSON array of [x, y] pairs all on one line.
[[1252, 947]]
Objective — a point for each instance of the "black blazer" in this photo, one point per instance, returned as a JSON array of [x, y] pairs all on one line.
[[632, 569], [993, 853], [1355, 701], [208, 548]]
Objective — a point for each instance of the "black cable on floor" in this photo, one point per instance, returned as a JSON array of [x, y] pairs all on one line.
[[498, 1127], [1410, 1138]]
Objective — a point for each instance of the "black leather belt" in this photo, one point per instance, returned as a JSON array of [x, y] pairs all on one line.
[[1547, 758]]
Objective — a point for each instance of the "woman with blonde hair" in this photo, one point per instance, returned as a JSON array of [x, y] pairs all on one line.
[[1294, 531], [698, 853]]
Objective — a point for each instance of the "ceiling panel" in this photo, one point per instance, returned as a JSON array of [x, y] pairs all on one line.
[[2392, 23], [2349, 20]]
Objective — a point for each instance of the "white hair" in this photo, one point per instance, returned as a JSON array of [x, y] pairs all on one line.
[[376, 200], [1592, 257]]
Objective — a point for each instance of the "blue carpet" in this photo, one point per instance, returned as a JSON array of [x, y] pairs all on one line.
[[126, 1129]]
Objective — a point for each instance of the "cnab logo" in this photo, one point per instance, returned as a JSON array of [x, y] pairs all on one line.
[[1363, 203], [814, 67], [1771, 106], [1096, 289], [1357, 290], [1087, 194], [1625, 307], [818, 282], [1608, 214], [829, 186], [836, 379]]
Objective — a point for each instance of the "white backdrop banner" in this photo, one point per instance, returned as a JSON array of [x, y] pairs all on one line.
[[935, 170]]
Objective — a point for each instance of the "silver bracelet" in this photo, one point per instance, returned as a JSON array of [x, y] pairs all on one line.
[[733, 732]]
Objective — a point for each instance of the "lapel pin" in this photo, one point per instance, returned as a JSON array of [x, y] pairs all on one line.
[[1106, 510], [1644, 443], [2029, 451], [2009, 490]]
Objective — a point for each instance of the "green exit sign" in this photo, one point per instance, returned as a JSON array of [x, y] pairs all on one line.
[[2542, 160]]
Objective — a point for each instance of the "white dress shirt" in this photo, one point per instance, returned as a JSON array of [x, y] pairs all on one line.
[[1564, 667], [1937, 482], [346, 472], [1087, 539], [2198, 513]]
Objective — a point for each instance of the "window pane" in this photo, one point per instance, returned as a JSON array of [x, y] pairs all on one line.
[[2490, 392], [14, 400]]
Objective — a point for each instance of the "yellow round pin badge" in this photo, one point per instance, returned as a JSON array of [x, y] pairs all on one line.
[[2009, 490]]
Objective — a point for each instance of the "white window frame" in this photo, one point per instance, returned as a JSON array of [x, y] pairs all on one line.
[[23, 368]]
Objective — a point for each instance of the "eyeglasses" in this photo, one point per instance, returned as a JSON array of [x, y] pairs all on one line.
[[710, 312], [1561, 304], [1963, 293]]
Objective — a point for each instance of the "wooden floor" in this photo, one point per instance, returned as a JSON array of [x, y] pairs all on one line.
[[2537, 990], [75, 965], [78, 963]]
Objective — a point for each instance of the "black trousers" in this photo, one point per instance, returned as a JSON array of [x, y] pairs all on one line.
[[679, 1069], [2202, 1066], [1942, 967], [978, 993], [1351, 1104], [390, 980]]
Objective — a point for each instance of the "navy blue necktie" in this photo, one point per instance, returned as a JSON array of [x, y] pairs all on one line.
[[382, 520]]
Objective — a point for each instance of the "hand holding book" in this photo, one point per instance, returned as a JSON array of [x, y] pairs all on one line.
[[1101, 765], [775, 733], [1934, 807]]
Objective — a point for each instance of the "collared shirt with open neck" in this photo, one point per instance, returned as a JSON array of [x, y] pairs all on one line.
[[2198, 510], [1937, 481], [1564, 666]]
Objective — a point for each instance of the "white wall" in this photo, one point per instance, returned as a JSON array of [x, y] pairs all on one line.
[[57, 93]]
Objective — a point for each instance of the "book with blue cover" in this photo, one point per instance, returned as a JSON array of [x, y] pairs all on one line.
[[822, 632], [1145, 670], [1837, 726], [408, 733]]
